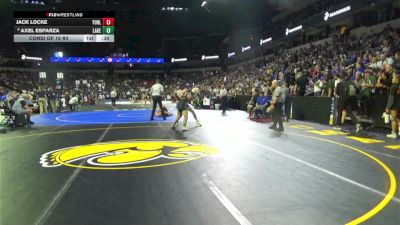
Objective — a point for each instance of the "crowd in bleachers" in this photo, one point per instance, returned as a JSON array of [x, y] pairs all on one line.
[[308, 71], [19, 80], [370, 60], [311, 71]]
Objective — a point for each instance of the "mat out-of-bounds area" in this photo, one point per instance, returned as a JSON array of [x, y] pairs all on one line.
[[117, 167]]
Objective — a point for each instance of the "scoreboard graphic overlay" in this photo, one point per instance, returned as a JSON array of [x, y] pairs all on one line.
[[35, 26]]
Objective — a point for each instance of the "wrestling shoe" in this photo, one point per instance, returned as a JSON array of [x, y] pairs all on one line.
[[358, 127], [392, 135]]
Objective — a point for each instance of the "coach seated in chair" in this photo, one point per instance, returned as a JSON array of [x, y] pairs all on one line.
[[73, 103], [263, 103], [10, 100], [253, 102], [21, 109]]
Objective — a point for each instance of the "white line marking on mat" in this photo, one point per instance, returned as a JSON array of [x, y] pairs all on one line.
[[56, 199], [362, 186], [226, 202]]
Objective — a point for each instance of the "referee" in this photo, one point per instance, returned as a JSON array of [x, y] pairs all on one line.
[[113, 95], [155, 92], [276, 106]]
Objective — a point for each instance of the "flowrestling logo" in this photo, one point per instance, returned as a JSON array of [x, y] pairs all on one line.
[[131, 154], [328, 15], [288, 31]]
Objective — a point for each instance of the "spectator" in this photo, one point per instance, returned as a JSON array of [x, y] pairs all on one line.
[[53, 100], [42, 100], [113, 95], [262, 105], [383, 83], [73, 103], [393, 106], [367, 89], [347, 101], [223, 94], [329, 86], [301, 84], [253, 101], [286, 102], [21, 108], [318, 87]]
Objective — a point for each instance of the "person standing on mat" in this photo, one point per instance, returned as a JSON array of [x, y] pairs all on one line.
[[156, 90], [190, 107], [276, 107], [42, 100], [113, 95], [346, 94], [182, 107], [21, 108], [393, 105], [223, 93]]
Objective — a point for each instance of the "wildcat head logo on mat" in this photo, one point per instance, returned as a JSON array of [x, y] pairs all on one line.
[[131, 154]]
